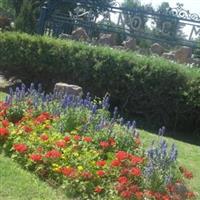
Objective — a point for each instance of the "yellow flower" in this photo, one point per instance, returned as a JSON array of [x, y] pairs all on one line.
[[76, 154], [56, 169], [80, 168], [55, 165]]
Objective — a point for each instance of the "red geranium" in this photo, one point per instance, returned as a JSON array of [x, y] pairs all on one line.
[[67, 138], [123, 180], [4, 132], [126, 194], [42, 118], [136, 160], [5, 123], [112, 141], [35, 157], [61, 144], [101, 163], [100, 173], [27, 129], [86, 175], [104, 144], [68, 171], [87, 139], [115, 163], [21, 148], [53, 154], [136, 171], [98, 189], [44, 137], [122, 155], [77, 137]]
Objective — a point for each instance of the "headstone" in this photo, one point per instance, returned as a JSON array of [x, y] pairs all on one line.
[[157, 49], [80, 34], [130, 44], [107, 39], [183, 54], [68, 89], [64, 36], [170, 55]]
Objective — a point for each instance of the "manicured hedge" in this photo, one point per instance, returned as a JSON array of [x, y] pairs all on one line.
[[149, 89]]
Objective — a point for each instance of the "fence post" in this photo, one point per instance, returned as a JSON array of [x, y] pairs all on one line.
[[41, 20]]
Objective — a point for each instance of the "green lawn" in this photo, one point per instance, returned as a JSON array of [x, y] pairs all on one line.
[[17, 184], [2, 96]]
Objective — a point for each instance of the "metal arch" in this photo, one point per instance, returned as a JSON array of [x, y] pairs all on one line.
[[55, 24]]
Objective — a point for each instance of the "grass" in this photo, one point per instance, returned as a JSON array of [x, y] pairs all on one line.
[[2, 96], [17, 184]]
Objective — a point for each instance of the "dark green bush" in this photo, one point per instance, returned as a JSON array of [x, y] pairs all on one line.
[[145, 88]]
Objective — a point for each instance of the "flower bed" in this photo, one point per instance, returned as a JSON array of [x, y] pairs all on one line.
[[77, 144]]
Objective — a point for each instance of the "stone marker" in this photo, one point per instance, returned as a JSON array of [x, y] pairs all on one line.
[[68, 89], [107, 39], [157, 49], [183, 54], [80, 34], [170, 55], [130, 44]]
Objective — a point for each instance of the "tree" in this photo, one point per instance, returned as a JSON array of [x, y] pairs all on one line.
[[137, 20], [165, 25]]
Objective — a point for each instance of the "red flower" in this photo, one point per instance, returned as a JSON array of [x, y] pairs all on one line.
[[35, 157], [67, 171], [126, 194], [61, 143], [21, 148], [98, 189], [86, 175], [5, 123], [44, 137], [53, 154], [121, 155], [87, 139], [186, 173], [104, 144], [112, 141], [122, 180], [100, 173], [67, 138], [101, 163], [47, 126], [136, 160], [115, 163], [124, 171], [27, 129], [136, 171], [77, 137], [191, 195], [4, 132], [134, 188], [42, 118], [39, 149], [166, 197], [139, 195]]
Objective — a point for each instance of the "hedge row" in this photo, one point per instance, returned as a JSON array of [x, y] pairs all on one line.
[[145, 88]]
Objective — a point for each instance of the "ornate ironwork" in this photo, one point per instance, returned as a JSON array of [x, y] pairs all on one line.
[[132, 22]]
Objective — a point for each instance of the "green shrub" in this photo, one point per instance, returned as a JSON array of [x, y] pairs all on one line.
[[149, 89]]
